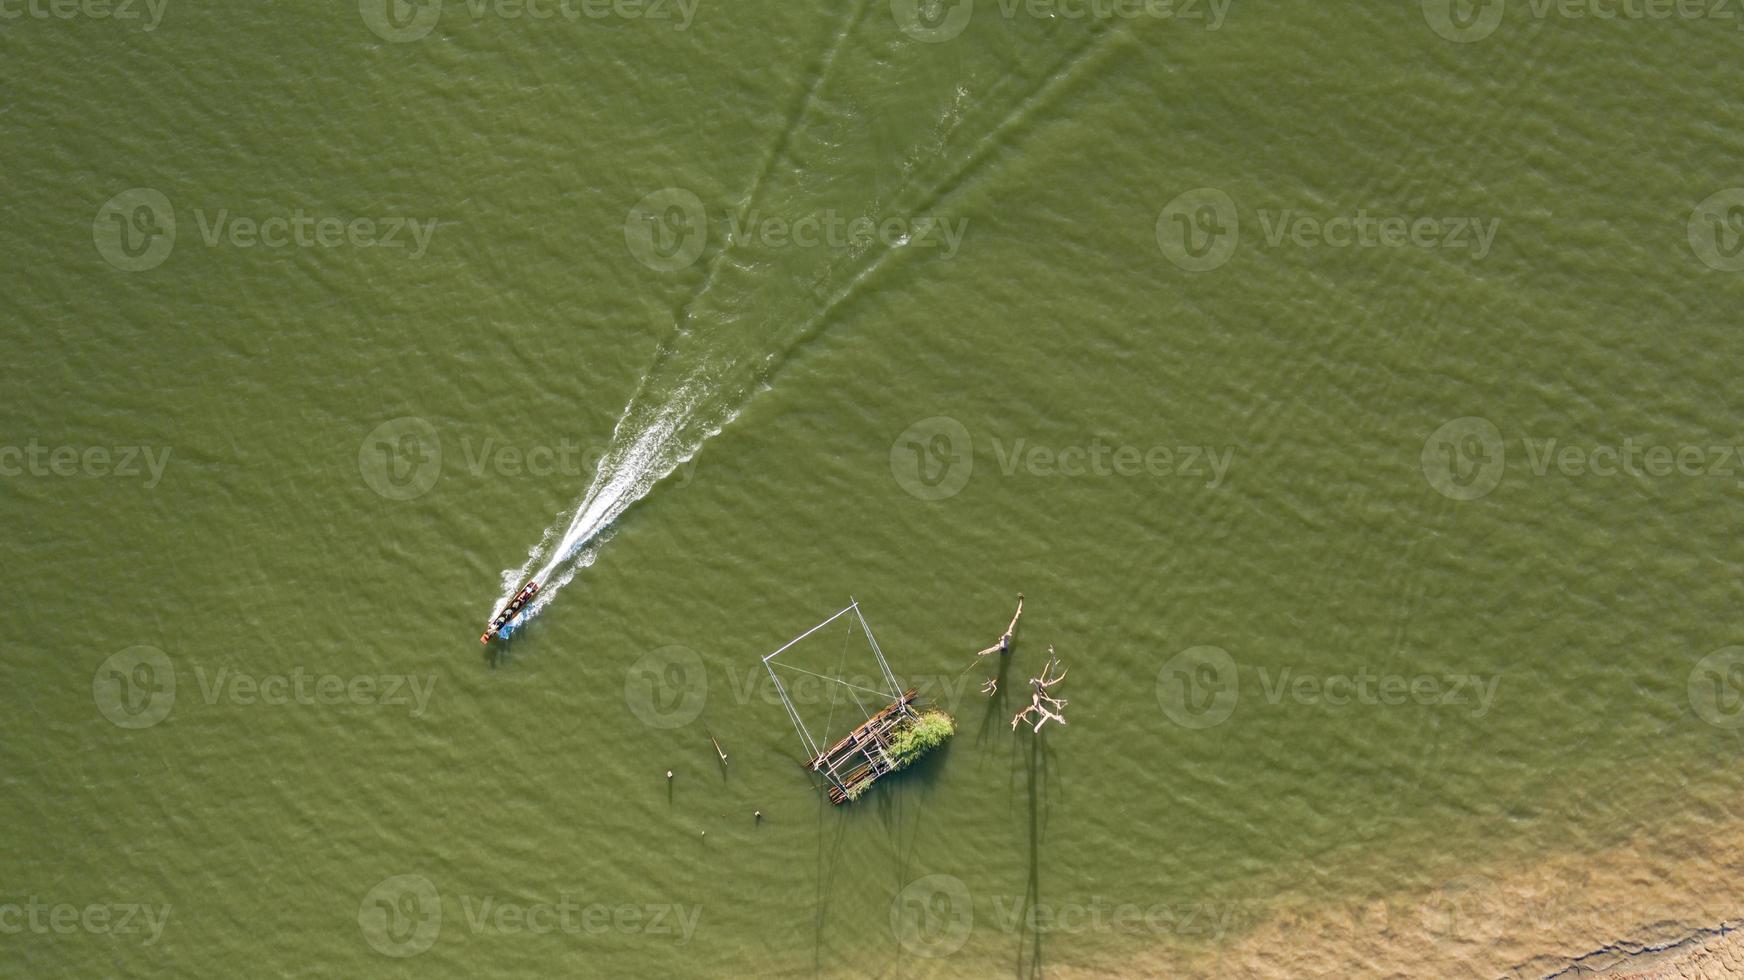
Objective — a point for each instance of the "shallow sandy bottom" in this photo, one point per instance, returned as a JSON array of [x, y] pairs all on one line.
[[1661, 906]]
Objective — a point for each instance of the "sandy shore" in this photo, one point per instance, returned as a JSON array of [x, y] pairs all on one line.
[[1660, 906]]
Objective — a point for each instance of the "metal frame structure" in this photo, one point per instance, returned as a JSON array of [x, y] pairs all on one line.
[[897, 697]]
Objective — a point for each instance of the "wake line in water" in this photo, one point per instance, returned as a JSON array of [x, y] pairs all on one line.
[[642, 452], [701, 379]]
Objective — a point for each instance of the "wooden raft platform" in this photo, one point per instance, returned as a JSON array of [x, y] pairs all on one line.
[[854, 762]]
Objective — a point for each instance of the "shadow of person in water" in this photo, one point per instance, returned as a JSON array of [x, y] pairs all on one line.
[[1038, 759]]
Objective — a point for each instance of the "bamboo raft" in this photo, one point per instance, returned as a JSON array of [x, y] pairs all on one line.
[[854, 762]]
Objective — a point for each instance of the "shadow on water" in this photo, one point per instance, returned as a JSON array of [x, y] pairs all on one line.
[[900, 809], [832, 831], [895, 806], [501, 653], [998, 708], [1038, 759]]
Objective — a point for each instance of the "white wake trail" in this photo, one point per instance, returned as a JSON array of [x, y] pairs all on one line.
[[648, 444]]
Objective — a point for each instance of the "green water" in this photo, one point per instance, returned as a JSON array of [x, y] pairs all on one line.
[[288, 537]]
